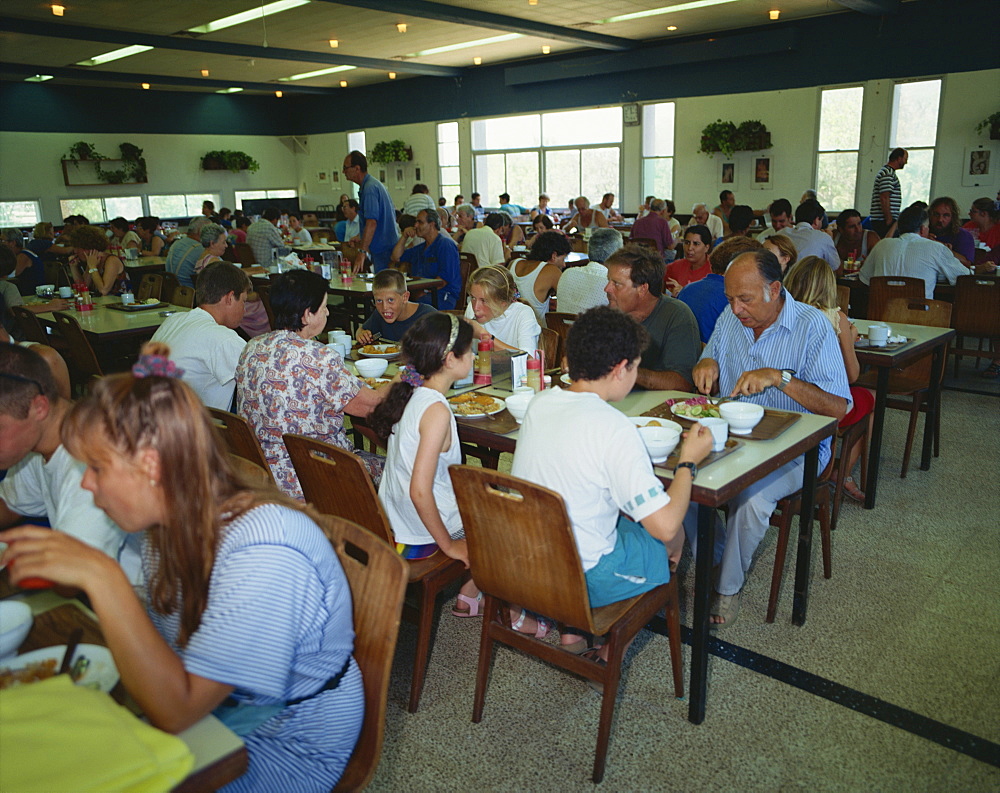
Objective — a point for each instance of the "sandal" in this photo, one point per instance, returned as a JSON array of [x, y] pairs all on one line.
[[580, 647], [727, 607], [852, 489], [544, 626], [472, 603], [991, 372]]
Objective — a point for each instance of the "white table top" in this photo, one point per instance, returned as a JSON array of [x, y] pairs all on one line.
[[102, 321]]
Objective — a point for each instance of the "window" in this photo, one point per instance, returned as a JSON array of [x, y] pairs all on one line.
[[250, 195], [19, 213], [176, 206], [449, 172], [101, 210], [914, 128], [355, 142], [658, 149], [839, 139]]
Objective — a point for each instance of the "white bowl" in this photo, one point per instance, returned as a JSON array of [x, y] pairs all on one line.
[[660, 441], [742, 416], [372, 367], [15, 622], [642, 421], [517, 405]]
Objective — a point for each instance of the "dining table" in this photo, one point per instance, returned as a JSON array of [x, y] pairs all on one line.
[[144, 265], [102, 324], [922, 340], [220, 756]]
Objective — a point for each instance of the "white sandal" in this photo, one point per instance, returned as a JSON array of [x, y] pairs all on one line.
[[544, 626]]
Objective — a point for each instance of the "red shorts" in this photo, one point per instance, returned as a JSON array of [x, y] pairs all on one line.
[[864, 402]]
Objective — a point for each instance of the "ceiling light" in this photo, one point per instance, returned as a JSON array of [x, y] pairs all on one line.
[[204, 72], [532, 2], [665, 10], [317, 73], [774, 13], [114, 55], [38, 78], [671, 27], [392, 75], [58, 10], [233, 90], [334, 43], [546, 49], [279, 94], [477, 61], [465, 45], [401, 27], [145, 86], [343, 83], [247, 16]]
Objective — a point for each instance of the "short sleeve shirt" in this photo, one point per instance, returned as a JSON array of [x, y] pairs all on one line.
[[674, 340], [393, 331], [375, 204], [440, 260]]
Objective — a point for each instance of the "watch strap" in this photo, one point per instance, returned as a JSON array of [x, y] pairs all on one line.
[[692, 466]]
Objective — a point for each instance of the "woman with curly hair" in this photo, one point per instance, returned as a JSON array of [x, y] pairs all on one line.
[[93, 264]]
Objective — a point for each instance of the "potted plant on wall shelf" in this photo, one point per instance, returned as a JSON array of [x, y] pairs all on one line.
[[726, 137], [390, 151], [992, 123], [752, 136], [226, 160], [81, 150], [132, 170]]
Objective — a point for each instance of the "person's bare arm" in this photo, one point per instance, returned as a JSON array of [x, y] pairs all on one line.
[[365, 401], [22, 264], [366, 240], [847, 336], [706, 375], [400, 246], [602, 222], [885, 202], [155, 247], [811, 397], [662, 381]]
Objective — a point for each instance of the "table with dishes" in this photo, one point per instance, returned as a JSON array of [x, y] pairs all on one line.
[[103, 323]]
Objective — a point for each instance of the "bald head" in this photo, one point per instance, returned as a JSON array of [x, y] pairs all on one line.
[[753, 286]]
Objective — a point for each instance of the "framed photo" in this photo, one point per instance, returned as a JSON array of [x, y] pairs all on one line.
[[400, 176], [381, 175], [728, 175], [323, 177], [763, 175], [335, 176], [979, 166]]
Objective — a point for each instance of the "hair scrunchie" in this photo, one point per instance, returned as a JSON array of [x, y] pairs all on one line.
[[411, 376], [517, 294], [155, 366]]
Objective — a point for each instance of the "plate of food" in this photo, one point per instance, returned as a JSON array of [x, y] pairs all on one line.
[[565, 379], [475, 406], [91, 666], [695, 408], [375, 382], [387, 351]]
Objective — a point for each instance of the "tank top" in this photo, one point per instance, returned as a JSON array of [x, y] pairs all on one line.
[[526, 286]]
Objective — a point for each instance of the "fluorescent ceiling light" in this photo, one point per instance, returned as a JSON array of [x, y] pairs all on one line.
[[465, 45], [247, 16], [317, 73], [233, 90], [38, 78], [114, 55], [665, 10]]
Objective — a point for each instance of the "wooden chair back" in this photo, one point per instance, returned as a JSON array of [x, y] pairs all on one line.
[[560, 322], [183, 296], [82, 358], [521, 545], [977, 306], [31, 329], [649, 243], [466, 264], [243, 255], [251, 473], [337, 483], [264, 293], [550, 342], [884, 288], [56, 272], [239, 436], [377, 576], [170, 285], [844, 299], [932, 313], [579, 245], [151, 285]]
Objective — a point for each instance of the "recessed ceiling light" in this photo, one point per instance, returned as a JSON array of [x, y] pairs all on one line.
[[671, 27], [334, 43], [665, 10], [114, 55], [532, 2], [279, 94], [392, 75], [204, 72], [233, 90], [58, 10], [465, 45], [774, 13], [546, 49], [145, 86], [317, 73], [401, 27], [247, 16], [477, 61], [343, 83], [38, 78]]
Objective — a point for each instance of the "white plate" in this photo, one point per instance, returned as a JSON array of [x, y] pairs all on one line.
[[498, 405], [678, 409], [102, 673], [642, 421], [565, 378], [389, 356], [376, 382]]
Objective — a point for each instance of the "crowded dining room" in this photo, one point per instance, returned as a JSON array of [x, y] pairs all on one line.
[[409, 395]]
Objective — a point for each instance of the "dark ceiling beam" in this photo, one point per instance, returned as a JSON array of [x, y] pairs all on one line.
[[157, 81], [483, 19], [873, 7], [31, 27]]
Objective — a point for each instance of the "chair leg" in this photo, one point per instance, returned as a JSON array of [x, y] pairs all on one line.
[[673, 613], [937, 428], [425, 620], [910, 433], [490, 604], [825, 527], [779, 562], [612, 675], [957, 352]]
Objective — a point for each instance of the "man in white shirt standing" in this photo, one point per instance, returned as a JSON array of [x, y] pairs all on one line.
[[203, 341], [808, 234], [583, 287], [913, 254]]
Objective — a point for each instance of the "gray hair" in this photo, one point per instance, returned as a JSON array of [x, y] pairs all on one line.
[[195, 226], [694, 209], [15, 236], [466, 209], [657, 205], [210, 233], [586, 201], [604, 242]]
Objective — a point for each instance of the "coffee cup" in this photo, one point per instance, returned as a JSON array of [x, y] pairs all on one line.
[[720, 432], [66, 291], [878, 335]]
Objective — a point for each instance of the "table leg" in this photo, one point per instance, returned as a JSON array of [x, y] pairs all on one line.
[[702, 593], [434, 298], [933, 405], [803, 556], [875, 442]]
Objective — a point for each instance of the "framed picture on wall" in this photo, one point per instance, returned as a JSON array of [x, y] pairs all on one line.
[[335, 176], [763, 173], [382, 175], [322, 177], [400, 176], [728, 175], [978, 167]]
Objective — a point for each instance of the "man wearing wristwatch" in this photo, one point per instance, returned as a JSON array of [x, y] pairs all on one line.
[[773, 351]]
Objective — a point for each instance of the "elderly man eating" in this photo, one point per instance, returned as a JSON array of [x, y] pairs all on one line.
[[775, 352]]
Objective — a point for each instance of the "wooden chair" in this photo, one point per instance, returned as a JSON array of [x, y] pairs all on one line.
[[170, 285], [377, 577], [239, 436], [884, 288], [243, 255], [560, 322], [264, 292], [976, 313], [31, 329], [849, 437], [466, 264], [82, 359], [151, 285], [251, 473], [649, 243], [522, 551], [844, 299], [337, 483], [183, 296], [914, 381], [550, 342]]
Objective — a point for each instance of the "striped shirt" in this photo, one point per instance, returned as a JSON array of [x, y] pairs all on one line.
[[886, 181], [800, 339]]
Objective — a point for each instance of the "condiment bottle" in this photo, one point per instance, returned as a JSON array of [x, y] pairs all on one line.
[[484, 362], [535, 374]]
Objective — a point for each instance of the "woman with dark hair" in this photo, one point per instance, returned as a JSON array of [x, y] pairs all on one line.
[[984, 222], [122, 238], [153, 244], [511, 233], [101, 270], [695, 264], [249, 613], [288, 382], [537, 274]]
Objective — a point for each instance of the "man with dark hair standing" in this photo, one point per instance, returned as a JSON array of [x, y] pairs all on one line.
[[377, 216], [808, 235], [887, 195], [780, 211]]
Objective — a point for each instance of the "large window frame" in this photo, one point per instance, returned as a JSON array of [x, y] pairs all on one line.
[[101, 209], [190, 201], [917, 132], [23, 212], [449, 160], [659, 129], [250, 195], [838, 146]]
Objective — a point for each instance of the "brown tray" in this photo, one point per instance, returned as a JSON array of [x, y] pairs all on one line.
[[136, 306], [500, 423], [731, 446], [862, 344], [771, 426]]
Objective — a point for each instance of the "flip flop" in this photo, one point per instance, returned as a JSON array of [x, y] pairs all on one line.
[[472, 603], [541, 631], [852, 489], [727, 607]]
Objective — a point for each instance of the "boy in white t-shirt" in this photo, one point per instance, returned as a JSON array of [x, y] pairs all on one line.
[[572, 441]]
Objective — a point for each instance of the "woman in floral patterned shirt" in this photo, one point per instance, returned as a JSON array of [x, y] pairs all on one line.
[[286, 382]]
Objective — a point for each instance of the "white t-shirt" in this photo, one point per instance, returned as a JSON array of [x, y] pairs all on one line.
[[301, 237], [714, 224], [37, 488], [207, 352], [485, 244], [591, 454], [580, 288], [914, 256], [394, 491], [516, 327]]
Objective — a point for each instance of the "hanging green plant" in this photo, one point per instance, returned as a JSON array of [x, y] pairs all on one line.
[[226, 160], [133, 166], [81, 150], [390, 151], [992, 123], [726, 137]]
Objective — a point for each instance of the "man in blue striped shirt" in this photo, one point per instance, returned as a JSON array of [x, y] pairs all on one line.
[[778, 353]]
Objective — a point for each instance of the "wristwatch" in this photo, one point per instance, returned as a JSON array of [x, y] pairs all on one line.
[[786, 378], [692, 466], [92, 270]]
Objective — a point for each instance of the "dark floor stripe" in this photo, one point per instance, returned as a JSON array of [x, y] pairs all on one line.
[[950, 737]]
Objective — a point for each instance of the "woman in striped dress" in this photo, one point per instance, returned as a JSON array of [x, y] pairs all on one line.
[[250, 611]]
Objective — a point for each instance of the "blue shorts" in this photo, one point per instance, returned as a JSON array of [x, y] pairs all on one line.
[[638, 563]]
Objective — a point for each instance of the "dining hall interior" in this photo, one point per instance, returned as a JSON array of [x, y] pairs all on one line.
[[891, 682]]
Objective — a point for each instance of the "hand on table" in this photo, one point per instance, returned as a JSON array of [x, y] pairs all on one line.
[[755, 381], [58, 304], [364, 336], [359, 263], [696, 445], [705, 376]]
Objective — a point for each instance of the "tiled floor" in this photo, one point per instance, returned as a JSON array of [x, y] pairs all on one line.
[[910, 617]]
